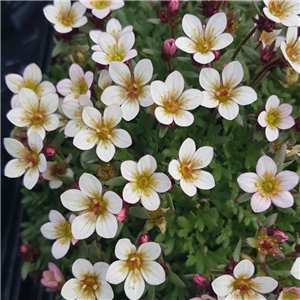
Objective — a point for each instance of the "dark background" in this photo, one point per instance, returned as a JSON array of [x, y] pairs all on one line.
[[26, 37]]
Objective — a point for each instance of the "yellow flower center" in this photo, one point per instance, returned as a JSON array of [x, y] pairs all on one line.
[[90, 284], [275, 8], [223, 94], [30, 84], [293, 52], [30, 158], [203, 45], [99, 4], [268, 185], [79, 88], [272, 117], [58, 168], [115, 53], [186, 170], [134, 261], [97, 207], [144, 182], [242, 287], [63, 230], [66, 18], [104, 132], [266, 244], [171, 105], [292, 294]]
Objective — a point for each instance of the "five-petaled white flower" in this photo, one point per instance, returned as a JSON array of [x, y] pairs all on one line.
[[89, 282], [283, 11], [102, 132], [32, 79], [291, 48], [144, 183], [188, 169], [131, 90], [34, 113], [267, 38], [295, 270], [137, 265], [275, 117], [96, 209], [225, 93], [173, 103], [78, 84], [64, 16], [112, 49], [101, 8], [201, 42], [59, 229], [27, 160], [114, 28], [242, 285], [73, 111], [268, 186]]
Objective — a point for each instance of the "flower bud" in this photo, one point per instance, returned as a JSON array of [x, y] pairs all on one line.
[[53, 277], [173, 9], [217, 55], [209, 8], [145, 238], [25, 252], [201, 281], [297, 248], [267, 55], [163, 14], [74, 185], [281, 235], [291, 77], [170, 47], [49, 150], [123, 214], [230, 266], [265, 24]]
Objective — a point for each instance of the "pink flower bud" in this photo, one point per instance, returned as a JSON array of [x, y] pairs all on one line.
[[283, 237], [201, 281], [123, 214], [169, 47], [53, 277], [297, 248], [145, 238], [25, 252], [49, 150], [174, 8], [164, 18], [217, 55], [267, 55]]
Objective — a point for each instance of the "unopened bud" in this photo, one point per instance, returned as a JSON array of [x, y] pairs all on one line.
[[173, 8], [201, 281], [49, 150], [123, 214], [74, 185], [230, 266], [170, 47], [25, 252], [145, 238], [265, 24], [282, 236], [267, 55], [164, 18], [209, 8], [217, 55], [297, 248]]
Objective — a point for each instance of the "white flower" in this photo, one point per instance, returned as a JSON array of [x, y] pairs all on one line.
[[97, 210], [291, 48], [275, 117], [114, 28], [295, 271], [102, 132], [60, 230], [114, 50], [89, 282], [27, 160], [56, 169], [79, 84], [64, 16], [131, 90], [34, 113], [242, 285], [32, 79], [144, 183], [136, 266], [202, 42], [173, 103], [73, 111], [267, 38], [104, 80], [268, 186], [101, 8], [225, 93], [188, 169], [283, 11]]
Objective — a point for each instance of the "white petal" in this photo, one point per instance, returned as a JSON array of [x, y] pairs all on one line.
[[143, 72], [190, 99], [46, 87], [150, 200], [91, 117], [175, 84], [259, 203], [288, 180], [130, 54], [222, 285], [162, 116], [34, 73], [129, 170], [60, 248], [104, 79], [272, 103], [204, 58], [244, 95], [185, 44], [286, 123], [51, 122], [112, 115], [29, 100], [149, 251], [117, 272], [209, 100], [147, 164], [228, 110], [153, 273], [105, 150], [159, 92], [187, 150], [106, 225], [272, 133], [130, 193], [31, 177], [75, 72], [134, 285], [232, 74], [130, 109], [114, 95], [74, 200], [202, 157], [13, 146], [100, 268], [85, 139], [247, 182], [222, 41], [162, 182], [264, 284], [244, 268], [173, 169], [42, 166], [49, 231], [64, 87], [72, 289], [90, 185], [204, 180], [262, 119], [216, 25], [37, 129], [188, 187], [183, 118], [56, 217], [100, 13], [14, 82], [126, 41], [119, 73], [35, 142], [100, 58], [113, 202], [15, 168], [266, 165], [83, 226], [283, 199], [81, 267], [191, 25], [209, 79], [295, 271], [124, 248], [73, 127]]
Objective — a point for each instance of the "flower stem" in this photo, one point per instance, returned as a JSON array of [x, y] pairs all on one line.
[[169, 64]]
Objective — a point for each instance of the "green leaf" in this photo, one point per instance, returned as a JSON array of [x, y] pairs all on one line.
[[58, 140], [170, 201], [239, 120], [94, 252], [162, 131], [151, 292], [25, 269], [209, 221], [60, 47], [138, 212], [170, 152], [66, 179], [251, 53], [117, 181], [174, 278], [280, 157], [271, 220], [237, 251], [245, 197], [83, 249]]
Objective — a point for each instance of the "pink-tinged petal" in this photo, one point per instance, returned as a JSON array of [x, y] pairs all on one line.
[[153, 273], [272, 133], [191, 25], [190, 99], [285, 110], [117, 272], [188, 187], [15, 168], [209, 100], [112, 115], [187, 150], [100, 268], [173, 169], [124, 248], [159, 92], [204, 58], [295, 271], [175, 84], [185, 44], [14, 82], [76, 73], [91, 117], [286, 123], [264, 284], [49, 231], [244, 95], [106, 225], [161, 182], [72, 289], [202, 157], [113, 202], [34, 73], [64, 87], [131, 193], [143, 72], [100, 58], [105, 150], [228, 110], [287, 180], [204, 180], [222, 41], [83, 226], [247, 182], [114, 95], [55, 184], [149, 251], [266, 165], [183, 118], [81, 267], [130, 109], [56, 217], [90, 185], [31, 177], [13, 147], [259, 203], [134, 285], [232, 74], [119, 73], [244, 268], [163, 116], [74, 200], [209, 79], [60, 248], [147, 165], [272, 103], [222, 285], [126, 41], [129, 169], [215, 25], [283, 199], [262, 119], [150, 200], [85, 139]]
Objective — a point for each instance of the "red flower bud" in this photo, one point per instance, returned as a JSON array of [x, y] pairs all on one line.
[[123, 214], [170, 47], [217, 55], [49, 150], [201, 281], [145, 238], [25, 252], [265, 24], [267, 55], [283, 237], [209, 8], [173, 9]]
